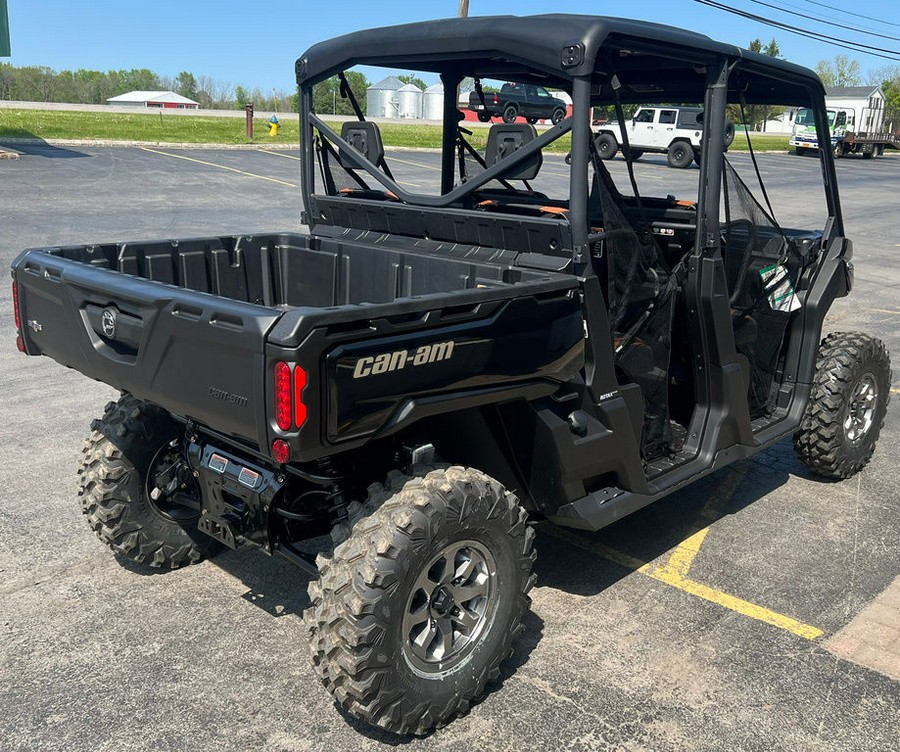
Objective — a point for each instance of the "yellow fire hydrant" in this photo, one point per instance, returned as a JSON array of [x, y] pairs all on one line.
[[273, 126]]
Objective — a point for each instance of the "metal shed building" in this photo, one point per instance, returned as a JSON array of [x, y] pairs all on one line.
[[161, 99]]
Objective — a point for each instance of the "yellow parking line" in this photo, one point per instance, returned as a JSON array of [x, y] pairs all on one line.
[[895, 390], [279, 154], [668, 573], [679, 563], [221, 167], [288, 156], [882, 310], [414, 164]]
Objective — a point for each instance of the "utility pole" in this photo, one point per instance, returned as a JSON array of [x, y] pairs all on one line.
[[463, 8]]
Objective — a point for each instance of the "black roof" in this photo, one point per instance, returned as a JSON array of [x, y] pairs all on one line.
[[530, 47]]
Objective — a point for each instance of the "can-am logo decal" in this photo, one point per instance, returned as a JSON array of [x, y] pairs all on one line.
[[372, 365]]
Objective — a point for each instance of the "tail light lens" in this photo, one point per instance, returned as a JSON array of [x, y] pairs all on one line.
[[281, 451], [496, 99], [299, 405], [15, 290], [290, 410], [283, 408]]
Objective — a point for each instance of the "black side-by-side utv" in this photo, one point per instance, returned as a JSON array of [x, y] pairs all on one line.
[[426, 371]]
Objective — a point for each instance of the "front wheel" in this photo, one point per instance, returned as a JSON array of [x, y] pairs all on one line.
[[680, 154], [415, 611], [510, 113], [136, 489], [559, 114], [484, 117], [847, 405], [838, 150]]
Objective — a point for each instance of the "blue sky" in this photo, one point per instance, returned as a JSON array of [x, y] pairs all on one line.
[[255, 43]]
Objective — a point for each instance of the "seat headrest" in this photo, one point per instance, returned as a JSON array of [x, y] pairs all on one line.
[[505, 139], [365, 138]]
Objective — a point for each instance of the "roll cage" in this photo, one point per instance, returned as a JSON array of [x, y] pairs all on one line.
[[597, 61]]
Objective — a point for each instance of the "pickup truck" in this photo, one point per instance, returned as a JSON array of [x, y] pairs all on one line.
[[431, 367], [673, 131], [516, 100]]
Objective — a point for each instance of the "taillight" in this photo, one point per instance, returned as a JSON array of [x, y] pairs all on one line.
[[496, 99], [15, 286], [281, 451], [283, 411], [299, 406], [290, 410]]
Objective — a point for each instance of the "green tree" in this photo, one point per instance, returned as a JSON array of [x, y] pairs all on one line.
[[842, 71], [755, 115], [327, 97], [409, 78], [241, 97], [186, 85], [772, 49]]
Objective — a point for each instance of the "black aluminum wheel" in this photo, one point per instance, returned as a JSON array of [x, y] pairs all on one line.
[[453, 600], [510, 113], [559, 114], [422, 598]]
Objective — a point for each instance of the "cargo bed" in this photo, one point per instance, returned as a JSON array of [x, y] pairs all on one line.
[[195, 325]]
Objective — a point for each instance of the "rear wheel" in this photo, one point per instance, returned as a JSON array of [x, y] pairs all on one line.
[[847, 405], [680, 154], [136, 490], [510, 113], [417, 608], [559, 114], [606, 145]]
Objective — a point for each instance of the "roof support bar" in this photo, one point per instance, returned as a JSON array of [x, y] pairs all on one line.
[[712, 145], [578, 177], [450, 133]]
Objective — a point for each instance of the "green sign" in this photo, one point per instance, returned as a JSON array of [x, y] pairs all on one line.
[[4, 30]]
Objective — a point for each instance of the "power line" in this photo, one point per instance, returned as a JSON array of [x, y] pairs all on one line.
[[830, 23], [846, 44], [851, 13]]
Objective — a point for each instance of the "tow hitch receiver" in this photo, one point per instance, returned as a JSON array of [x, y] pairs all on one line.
[[236, 496]]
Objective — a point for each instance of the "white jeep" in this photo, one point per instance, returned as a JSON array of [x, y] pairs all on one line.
[[673, 131]]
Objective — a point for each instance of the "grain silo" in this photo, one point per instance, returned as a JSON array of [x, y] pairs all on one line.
[[382, 98], [409, 101], [433, 102]]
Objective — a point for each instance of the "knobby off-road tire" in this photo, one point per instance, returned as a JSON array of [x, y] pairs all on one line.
[[606, 145], [112, 485], [847, 405], [444, 551]]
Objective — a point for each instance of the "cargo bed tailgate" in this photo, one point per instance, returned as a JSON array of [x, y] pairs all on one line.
[[198, 355]]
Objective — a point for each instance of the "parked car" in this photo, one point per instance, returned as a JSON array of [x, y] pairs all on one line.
[[673, 131], [518, 100]]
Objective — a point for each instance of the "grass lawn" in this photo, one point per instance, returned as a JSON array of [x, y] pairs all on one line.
[[163, 127]]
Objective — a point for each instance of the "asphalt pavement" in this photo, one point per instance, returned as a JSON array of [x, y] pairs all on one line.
[[700, 623]]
